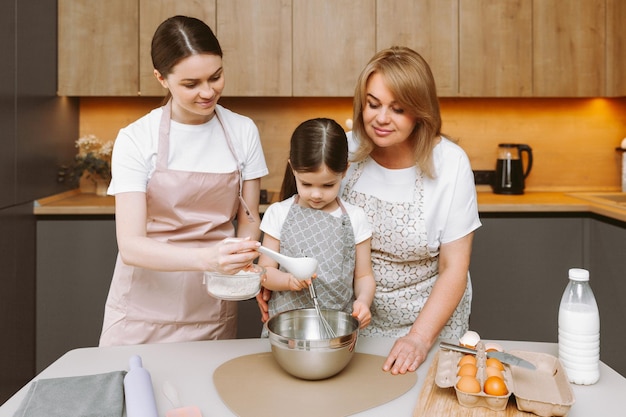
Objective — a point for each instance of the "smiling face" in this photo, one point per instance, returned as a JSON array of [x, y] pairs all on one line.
[[196, 84], [318, 190], [386, 122]]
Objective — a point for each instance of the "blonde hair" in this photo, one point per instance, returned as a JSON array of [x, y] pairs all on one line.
[[410, 80]]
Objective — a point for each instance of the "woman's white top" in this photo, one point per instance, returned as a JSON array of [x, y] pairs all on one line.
[[451, 209], [196, 148]]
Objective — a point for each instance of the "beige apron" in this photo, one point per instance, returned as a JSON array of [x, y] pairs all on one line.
[[191, 209], [404, 269]]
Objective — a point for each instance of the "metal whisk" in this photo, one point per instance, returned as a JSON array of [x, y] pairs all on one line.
[[326, 330]]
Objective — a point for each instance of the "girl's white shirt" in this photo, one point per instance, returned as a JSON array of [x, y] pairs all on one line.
[[276, 214], [450, 203], [196, 148]]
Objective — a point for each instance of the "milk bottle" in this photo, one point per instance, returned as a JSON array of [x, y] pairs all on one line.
[[579, 330]]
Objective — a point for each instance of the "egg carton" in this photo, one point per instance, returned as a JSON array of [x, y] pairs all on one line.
[[544, 391], [446, 377]]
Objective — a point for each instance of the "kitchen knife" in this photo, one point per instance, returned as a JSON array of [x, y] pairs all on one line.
[[501, 356]]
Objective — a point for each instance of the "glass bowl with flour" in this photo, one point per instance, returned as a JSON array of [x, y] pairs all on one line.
[[243, 285]]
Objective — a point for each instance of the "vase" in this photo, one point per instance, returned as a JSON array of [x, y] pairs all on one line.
[[86, 184], [102, 186]]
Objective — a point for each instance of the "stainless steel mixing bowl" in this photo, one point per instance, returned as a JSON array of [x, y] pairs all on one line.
[[297, 347]]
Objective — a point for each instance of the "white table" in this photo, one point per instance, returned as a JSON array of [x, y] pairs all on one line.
[[189, 367]]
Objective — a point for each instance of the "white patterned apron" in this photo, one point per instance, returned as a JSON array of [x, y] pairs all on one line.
[[190, 209], [404, 269], [330, 240]]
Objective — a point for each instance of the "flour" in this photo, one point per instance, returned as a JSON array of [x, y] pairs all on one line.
[[240, 286]]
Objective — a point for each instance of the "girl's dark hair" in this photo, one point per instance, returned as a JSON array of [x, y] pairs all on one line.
[[314, 143], [180, 37]]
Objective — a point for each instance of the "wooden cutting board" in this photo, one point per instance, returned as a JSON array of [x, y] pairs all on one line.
[[436, 402], [256, 386]]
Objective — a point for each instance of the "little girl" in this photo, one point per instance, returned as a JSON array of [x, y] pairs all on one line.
[[312, 221]]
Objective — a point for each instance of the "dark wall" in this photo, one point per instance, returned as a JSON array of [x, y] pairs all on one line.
[[37, 130]]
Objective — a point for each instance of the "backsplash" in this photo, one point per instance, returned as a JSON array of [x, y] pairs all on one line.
[[573, 140]]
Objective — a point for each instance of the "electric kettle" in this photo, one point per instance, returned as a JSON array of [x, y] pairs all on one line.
[[510, 172]]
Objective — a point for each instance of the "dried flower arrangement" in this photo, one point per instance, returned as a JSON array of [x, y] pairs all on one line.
[[92, 160]]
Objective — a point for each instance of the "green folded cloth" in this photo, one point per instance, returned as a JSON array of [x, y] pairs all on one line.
[[100, 395]]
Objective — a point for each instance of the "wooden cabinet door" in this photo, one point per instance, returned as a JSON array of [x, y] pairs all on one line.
[[430, 27], [152, 14], [615, 48], [332, 42], [495, 58], [568, 48], [256, 41], [97, 48]]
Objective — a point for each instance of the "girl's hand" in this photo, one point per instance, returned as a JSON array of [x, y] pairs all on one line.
[[297, 284], [362, 313]]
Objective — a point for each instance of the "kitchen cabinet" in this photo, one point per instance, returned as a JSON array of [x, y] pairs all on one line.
[[256, 41], [569, 48], [75, 262], [98, 48], [606, 242], [431, 28], [8, 65], [300, 48], [332, 42], [152, 13], [35, 126], [615, 48], [519, 270], [496, 49]]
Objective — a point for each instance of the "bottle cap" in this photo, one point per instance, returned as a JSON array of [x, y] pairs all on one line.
[[579, 274]]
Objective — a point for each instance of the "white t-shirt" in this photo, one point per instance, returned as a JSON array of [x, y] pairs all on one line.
[[450, 205], [275, 216], [196, 148]]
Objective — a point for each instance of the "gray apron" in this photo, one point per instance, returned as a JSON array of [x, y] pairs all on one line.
[[404, 269], [330, 240]]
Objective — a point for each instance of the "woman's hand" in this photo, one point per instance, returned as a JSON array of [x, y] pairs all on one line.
[[234, 254], [406, 355], [362, 313]]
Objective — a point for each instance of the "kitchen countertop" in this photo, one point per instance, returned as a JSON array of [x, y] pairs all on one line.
[[73, 202], [190, 366]]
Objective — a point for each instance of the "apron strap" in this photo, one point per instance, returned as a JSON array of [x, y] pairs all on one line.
[[240, 165], [164, 146]]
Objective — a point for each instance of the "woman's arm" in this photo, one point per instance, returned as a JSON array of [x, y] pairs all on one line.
[[364, 284], [137, 249], [245, 226], [411, 350]]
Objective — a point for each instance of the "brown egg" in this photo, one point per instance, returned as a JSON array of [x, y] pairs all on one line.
[[493, 347], [467, 370], [467, 359], [468, 384], [493, 371], [495, 386], [494, 362]]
